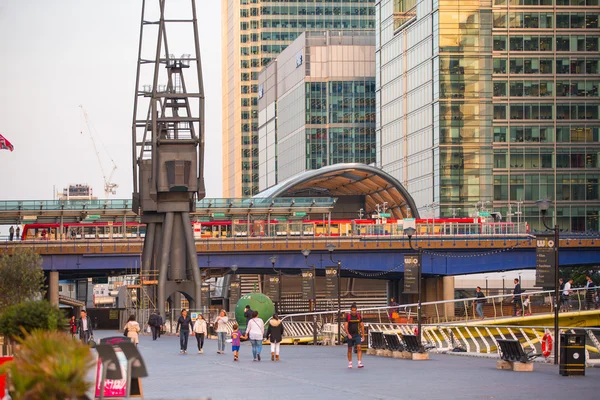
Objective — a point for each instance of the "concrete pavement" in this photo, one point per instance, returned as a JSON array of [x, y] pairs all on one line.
[[307, 372]]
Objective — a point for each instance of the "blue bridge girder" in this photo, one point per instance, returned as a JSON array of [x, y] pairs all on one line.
[[385, 261]]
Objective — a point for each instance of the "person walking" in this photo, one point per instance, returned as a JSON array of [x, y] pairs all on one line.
[[154, 324], [479, 302], [561, 287], [566, 293], [275, 335], [18, 233], [590, 293], [221, 330], [247, 314], [11, 233], [84, 327], [132, 329], [73, 326], [200, 330], [161, 324], [355, 329], [235, 341], [517, 301], [185, 323], [255, 331]]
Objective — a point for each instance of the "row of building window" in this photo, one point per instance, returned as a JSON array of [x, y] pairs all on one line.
[[247, 102], [345, 11], [546, 111], [569, 187], [317, 24], [537, 88], [584, 43], [254, 62], [523, 158], [580, 3], [545, 134], [543, 20], [536, 65]]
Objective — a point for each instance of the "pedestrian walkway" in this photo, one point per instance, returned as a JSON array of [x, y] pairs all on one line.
[[307, 372]]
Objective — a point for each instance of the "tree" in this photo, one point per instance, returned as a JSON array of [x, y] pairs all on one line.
[[26, 317], [21, 277], [578, 275]]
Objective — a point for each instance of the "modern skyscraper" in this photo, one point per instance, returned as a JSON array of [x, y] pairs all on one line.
[[316, 105], [254, 32], [492, 102]]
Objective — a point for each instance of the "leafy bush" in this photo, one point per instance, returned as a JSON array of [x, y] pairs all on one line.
[[26, 317], [21, 277], [49, 365]]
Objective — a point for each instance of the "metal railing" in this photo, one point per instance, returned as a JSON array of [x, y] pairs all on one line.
[[437, 313]]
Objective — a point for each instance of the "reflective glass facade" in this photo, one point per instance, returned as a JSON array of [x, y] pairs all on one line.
[[317, 105], [254, 32], [507, 102]]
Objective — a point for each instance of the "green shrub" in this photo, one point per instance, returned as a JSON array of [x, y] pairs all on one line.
[[49, 365], [29, 316]]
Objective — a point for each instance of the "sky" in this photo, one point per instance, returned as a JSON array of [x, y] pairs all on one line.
[[57, 55]]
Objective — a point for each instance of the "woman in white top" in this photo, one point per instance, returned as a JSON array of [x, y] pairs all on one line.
[[199, 331], [132, 329], [255, 331], [221, 329]]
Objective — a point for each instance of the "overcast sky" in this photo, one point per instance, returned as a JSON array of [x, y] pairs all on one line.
[[59, 54]]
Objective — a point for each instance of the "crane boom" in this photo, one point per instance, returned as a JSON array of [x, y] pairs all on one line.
[[109, 186]]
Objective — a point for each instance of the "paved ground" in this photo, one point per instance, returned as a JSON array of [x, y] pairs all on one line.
[[306, 372]]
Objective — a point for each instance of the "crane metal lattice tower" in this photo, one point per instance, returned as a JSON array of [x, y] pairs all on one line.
[[168, 153], [109, 186]]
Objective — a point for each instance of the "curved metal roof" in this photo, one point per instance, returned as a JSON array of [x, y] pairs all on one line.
[[350, 179]]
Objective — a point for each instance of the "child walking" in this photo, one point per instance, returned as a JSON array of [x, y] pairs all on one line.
[[235, 341], [200, 331], [275, 334]]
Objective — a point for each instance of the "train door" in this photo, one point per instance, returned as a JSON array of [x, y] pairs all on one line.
[[308, 229], [197, 226]]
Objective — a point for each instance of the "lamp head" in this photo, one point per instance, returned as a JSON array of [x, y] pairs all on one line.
[[305, 252], [410, 231], [234, 267], [330, 247], [273, 259], [543, 205]]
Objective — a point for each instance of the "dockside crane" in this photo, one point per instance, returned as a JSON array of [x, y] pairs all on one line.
[[109, 186]]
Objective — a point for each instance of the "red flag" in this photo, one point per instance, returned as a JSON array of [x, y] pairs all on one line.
[[5, 144]]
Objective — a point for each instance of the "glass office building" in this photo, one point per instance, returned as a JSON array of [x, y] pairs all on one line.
[[494, 103], [316, 105], [254, 32]]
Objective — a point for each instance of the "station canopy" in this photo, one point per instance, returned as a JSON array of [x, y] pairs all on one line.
[[350, 179]]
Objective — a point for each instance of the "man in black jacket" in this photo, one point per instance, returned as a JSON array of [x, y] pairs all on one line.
[[479, 302], [247, 314], [154, 324], [185, 323], [517, 301], [84, 327]]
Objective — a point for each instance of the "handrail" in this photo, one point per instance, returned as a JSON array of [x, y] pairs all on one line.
[[423, 304]]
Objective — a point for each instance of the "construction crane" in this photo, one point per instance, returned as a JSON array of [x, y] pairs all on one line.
[[109, 186]]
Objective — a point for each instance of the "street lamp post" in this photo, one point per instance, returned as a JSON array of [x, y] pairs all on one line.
[[305, 253], [331, 247], [543, 206], [273, 259], [410, 231], [234, 268]]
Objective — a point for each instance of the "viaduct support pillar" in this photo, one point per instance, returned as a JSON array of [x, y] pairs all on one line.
[[53, 288]]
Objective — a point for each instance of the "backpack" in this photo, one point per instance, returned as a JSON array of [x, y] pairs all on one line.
[[153, 320], [357, 314]]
